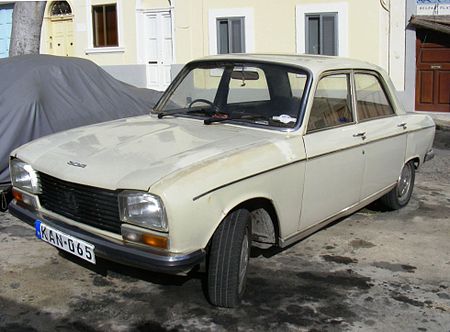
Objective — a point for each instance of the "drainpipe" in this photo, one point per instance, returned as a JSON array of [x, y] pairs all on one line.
[[386, 4]]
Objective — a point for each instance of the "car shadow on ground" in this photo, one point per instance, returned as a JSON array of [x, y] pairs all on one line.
[[442, 139], [34, 320], [106, 268]]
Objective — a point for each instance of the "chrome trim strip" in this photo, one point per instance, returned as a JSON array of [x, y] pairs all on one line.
[[419, 129], [246, 178], [334, 151], [367, 142], [347, 211]]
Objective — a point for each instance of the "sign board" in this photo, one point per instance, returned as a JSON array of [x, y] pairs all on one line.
[[433, 7]]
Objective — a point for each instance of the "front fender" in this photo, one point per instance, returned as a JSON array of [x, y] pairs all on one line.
[[193, 220]]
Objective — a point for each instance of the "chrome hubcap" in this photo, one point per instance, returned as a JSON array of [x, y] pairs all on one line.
[[404, 183], [243, 262]]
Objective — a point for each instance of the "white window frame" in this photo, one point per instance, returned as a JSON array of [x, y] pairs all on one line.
[[249, 30], [229, 21], [340, 8], [114, 49]]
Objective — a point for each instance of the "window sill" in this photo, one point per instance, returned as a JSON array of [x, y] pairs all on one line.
[[114, 49]]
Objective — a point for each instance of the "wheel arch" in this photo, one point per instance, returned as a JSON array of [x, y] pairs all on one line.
[[264, 218], [415, 160]]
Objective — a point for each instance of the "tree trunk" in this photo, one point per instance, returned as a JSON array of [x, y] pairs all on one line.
[[26, 27]]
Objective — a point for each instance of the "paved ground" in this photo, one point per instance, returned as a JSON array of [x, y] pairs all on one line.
[[373, 271]]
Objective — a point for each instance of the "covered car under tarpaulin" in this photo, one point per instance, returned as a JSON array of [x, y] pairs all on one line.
[[44, 94]]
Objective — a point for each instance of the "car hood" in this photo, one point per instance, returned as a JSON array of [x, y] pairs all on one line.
[[136, 152]]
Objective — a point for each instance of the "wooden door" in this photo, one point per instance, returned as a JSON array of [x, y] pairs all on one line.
[[432, 71]]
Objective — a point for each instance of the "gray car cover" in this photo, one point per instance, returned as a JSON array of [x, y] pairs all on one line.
[[44, 94]]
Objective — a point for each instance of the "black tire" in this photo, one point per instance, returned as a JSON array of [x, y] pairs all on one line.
[[400, 195], [228, 260]]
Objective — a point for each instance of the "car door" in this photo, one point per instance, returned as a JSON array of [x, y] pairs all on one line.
[[335, 160], [384, 136]]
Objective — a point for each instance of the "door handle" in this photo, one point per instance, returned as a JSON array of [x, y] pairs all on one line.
[[152, 62], [360, 134], [402, 125]]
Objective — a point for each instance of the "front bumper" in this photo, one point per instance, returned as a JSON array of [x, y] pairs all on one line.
[[114, 250]]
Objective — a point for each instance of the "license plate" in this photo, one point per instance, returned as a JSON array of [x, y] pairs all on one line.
[[65, 242]]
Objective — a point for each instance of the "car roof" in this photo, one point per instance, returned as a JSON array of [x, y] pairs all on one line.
[[315, 63]]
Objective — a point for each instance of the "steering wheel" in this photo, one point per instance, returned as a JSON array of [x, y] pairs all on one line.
[[214, 107]]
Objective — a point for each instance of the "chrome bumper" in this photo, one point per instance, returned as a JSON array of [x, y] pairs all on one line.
[[114, 250]]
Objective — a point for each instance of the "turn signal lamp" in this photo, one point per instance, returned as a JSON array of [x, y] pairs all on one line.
[[24, 198], [131, 234], [155, 241]]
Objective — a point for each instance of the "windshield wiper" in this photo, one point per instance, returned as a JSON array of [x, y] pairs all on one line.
[[171, 112], [242, 117], [205, 111]]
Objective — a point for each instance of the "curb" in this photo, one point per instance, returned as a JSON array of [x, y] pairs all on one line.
[[442, 125]]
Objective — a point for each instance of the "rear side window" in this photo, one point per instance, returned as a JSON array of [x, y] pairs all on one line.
[[332, 103], [371, 100]]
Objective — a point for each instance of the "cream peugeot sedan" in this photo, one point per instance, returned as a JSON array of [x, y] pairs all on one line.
[[240, 151]]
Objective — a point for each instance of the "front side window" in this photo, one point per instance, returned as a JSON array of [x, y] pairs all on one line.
[[371, 100], [230, 35], [247, 93], [321, 33], [104, 22], [332, 103]]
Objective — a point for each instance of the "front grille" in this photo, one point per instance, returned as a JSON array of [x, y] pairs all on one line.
[[88, 205]]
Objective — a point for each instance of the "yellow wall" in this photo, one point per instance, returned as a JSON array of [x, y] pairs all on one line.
[[274, 27]]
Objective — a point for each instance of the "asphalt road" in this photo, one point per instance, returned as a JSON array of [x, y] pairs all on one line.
[[372, 271]]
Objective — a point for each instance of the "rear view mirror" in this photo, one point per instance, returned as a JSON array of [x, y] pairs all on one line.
[[245, 75]]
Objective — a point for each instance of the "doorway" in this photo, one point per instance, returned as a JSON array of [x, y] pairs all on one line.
[[158, 48], [61, 38], [432, 71]]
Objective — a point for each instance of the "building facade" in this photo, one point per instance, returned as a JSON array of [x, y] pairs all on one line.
[[146, 42]]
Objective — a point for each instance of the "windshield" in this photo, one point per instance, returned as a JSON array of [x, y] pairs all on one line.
[[248, 93]]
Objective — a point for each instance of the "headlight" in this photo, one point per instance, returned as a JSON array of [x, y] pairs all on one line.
[[142, 209], [23, 176]]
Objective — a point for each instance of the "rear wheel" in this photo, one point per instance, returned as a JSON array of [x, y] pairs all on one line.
[[400, 195], [228, 259]]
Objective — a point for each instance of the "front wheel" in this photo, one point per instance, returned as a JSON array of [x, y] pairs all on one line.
[[400, 195], [228, 260]]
